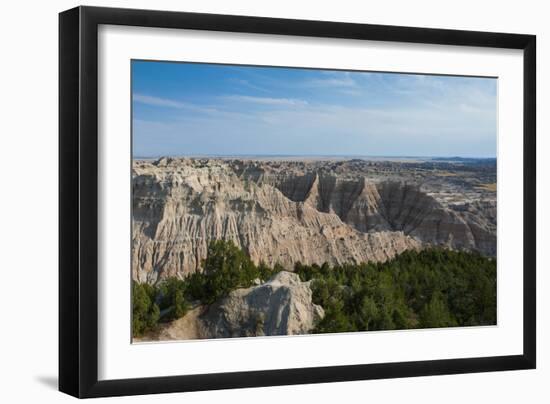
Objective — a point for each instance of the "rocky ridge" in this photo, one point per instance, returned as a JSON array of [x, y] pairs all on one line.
[[285, 212], [280, 306]]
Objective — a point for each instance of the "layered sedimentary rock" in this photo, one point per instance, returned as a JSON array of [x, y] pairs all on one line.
[[372, 206], [180, 206], [282, 212], [281, 306]]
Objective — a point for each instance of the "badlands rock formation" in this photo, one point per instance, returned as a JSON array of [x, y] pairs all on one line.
[[281, 306], [312, 212]]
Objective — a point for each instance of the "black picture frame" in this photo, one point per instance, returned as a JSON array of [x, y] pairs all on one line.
[[78, 201]]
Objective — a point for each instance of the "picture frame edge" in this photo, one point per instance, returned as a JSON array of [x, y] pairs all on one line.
[[78, 176]]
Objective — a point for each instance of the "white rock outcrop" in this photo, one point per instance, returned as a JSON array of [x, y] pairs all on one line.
[[281, 306]]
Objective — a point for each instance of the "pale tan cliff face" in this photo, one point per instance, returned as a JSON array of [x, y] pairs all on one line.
[[281, 213]]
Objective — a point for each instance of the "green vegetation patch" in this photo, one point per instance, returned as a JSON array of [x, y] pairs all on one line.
[[225, 269], [427, 289]]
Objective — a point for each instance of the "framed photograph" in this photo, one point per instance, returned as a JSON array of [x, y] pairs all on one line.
[[250, 201]]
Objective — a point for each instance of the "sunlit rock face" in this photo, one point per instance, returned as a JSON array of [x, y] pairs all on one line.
[[281, 306], [300, 211]]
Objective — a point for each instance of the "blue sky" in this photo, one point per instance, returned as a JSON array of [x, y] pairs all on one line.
[[203, 109]]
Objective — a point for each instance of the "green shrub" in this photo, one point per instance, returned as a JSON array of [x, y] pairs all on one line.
[[225, 268], [171, 295], [145, 312]]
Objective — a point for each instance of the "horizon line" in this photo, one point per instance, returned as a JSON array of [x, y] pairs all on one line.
[[310, 155]]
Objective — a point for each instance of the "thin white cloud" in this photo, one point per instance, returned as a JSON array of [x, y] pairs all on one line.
[[328, 129], [266, 100], [351, 91], [417, 116], [165, 102], [332, 82], [340, 79], [247, 83], [158, 102]]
